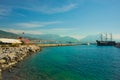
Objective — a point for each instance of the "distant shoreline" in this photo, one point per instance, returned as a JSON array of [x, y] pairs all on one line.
[[54, 45]]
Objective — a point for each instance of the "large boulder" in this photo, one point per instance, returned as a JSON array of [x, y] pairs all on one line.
[[2, 61]]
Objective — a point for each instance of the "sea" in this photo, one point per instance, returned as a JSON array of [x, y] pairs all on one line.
[[80, 62]]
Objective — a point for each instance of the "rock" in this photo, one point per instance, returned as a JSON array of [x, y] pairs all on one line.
[[2, 61], [9, 56], [0, 74]]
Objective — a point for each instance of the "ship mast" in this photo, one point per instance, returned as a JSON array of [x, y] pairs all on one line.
[[106, 37], [111, 36], [101, 37]]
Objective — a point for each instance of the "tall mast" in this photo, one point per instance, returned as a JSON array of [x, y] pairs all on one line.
[[106, 36], [111, 36], [101, 37]]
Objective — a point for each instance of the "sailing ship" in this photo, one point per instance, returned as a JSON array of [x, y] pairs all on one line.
[[106, 42]]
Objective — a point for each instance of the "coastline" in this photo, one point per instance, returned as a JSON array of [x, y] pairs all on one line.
[[54, 45], [10, 56]]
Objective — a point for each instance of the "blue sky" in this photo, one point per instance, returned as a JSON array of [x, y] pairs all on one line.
[[76, 18]]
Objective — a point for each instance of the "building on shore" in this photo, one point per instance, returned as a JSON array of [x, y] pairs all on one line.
[[25, 41], [9, 41]]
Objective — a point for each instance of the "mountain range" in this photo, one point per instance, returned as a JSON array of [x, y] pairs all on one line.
[[4, 34], [93, 38], [54, 37], [90, 38]]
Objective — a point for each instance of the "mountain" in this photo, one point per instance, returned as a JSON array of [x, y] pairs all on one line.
[[53, 37], [93, 38], [4, 34], [90, 38]]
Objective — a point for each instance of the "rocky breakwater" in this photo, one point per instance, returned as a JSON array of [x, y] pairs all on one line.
[[9, 56]]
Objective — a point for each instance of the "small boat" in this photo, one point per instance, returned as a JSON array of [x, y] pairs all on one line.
[[88, 43]]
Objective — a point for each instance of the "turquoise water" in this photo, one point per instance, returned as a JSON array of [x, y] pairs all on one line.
[[69, 63]]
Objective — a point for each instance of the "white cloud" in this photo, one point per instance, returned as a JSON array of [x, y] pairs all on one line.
[[28, 25], [62, 29], [21, 31], [49, 9], [77, 36], [35, 24], [39, 6], [116, 36], [4, 11], [52, 10]]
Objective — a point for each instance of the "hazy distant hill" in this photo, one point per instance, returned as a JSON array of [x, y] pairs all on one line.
[[90, 38], [53, 37], [93, 38], [4, 34]]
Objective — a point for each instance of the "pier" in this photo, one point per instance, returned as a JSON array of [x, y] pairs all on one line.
[[54, 45]]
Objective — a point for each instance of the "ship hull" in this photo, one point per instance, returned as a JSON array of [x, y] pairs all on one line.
[[106, 43]]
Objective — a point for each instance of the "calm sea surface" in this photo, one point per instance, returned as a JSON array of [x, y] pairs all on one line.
[[69, 63]]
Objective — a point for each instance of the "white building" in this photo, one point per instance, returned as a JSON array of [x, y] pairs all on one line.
[[9, 41]]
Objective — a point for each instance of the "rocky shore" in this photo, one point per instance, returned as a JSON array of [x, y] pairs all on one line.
[[9, 56]]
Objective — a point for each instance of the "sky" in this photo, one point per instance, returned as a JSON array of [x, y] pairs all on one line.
[[75, 18]]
